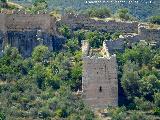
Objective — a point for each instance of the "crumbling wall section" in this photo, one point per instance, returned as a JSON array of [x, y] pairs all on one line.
[[81, 21], [149, 34], [17, 22]]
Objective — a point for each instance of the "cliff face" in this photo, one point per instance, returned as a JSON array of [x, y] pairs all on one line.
[[26, 41]]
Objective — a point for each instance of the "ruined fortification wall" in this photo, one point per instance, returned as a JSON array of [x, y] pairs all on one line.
[[85, 48], [2, 22], [17, 22], [149, 34], [26, 31], [113, 26], [80, 21], [143, 31], [99, 80], [123, 41]]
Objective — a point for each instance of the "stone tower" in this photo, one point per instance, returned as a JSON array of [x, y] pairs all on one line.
[[99, 80]]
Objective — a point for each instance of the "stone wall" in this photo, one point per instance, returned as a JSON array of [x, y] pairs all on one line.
[[123, 41], [17, 22], [26, 31], [2, 22], [81, 21], [142, 31], [149, 34], [99, 81]]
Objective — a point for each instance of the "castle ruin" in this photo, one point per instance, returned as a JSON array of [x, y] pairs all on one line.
[[25, 31], [99, 79], [99, 75]]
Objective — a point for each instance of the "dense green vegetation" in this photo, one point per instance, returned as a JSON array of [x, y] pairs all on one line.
[[140, 78], [102, 12], [4, 1], [42, 86], [140, 10], [155, 19]]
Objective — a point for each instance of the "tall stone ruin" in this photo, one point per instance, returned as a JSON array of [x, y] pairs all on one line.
[[99, 80]]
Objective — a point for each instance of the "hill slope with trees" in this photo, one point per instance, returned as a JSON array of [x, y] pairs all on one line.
[[141, 10]]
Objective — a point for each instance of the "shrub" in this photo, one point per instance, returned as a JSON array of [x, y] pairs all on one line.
[[136, 115], [123, 14], [157, 99], [156, 111], [155, 19], [142, 104], [101, 12], [118, 113], [2, 116]]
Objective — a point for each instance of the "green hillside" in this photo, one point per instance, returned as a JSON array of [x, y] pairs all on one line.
[[142, 9]]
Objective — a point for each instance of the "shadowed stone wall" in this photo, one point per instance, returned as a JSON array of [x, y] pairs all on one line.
[[149, 34], [81, 21]]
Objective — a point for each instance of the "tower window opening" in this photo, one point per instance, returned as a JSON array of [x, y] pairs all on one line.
[[100, 89]]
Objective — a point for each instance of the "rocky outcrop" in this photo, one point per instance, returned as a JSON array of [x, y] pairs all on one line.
[[26, 41]]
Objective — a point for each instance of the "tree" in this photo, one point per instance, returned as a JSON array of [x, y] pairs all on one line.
[[149, 85], [2, 116], [118, 113], [36, 2], [80, 35], [155, 19], [40, 54], [102, 12], [10, 64], [4, 1], [65, 31], [156, 61], [38, 6], [95, 39], [123, 14], [130, 79], [72, 45], [141, 54]]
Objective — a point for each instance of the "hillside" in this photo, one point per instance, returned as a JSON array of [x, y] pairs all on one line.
[[140, 8]]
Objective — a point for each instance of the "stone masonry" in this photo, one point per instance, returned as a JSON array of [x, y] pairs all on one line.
[[138, 31], [84, 22], [26, 31], [99, 80]]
